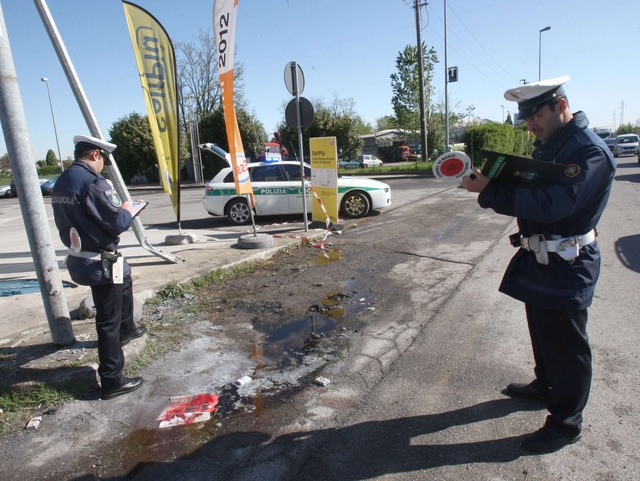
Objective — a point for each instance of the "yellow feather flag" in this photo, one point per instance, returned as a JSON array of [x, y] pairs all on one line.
[[224, 27], [157, 71]]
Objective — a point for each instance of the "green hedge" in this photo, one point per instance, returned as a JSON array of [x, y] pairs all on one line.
[[49, 171], [498, 137]]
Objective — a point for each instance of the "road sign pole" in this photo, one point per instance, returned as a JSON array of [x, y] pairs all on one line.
[[294, 73]]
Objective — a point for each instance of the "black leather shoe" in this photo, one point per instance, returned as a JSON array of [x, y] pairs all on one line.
[[129, 385], [139, 331], [547, 440], [528, 391]]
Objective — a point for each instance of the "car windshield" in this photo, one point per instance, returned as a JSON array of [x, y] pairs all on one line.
[[627, 140]]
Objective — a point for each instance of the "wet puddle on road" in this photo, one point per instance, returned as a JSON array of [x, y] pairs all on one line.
[[284, 359], [326, 257], [292, 341]]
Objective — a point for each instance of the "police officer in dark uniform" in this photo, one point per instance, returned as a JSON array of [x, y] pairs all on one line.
[[555, 270], [90, 216]]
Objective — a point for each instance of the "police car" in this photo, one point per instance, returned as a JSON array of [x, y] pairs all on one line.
[[278, 190]]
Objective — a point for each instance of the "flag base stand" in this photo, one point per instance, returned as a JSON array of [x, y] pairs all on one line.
[[255, 241], [182, 238]]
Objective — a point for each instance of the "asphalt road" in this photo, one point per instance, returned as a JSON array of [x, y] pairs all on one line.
[[416, 394]]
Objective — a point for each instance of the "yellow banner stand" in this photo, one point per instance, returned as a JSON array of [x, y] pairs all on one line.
[[324, 177]]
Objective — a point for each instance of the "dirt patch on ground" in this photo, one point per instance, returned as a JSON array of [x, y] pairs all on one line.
[[258, 338]]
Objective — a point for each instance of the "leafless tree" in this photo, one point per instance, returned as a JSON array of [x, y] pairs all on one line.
[[198, 78]]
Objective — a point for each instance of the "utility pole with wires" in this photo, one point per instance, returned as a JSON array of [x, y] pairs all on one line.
[[423, 121]]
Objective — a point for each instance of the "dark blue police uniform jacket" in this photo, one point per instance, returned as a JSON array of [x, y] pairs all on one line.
[[82, 199], [572, 206]]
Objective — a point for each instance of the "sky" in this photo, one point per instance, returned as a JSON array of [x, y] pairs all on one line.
[[346, 48]]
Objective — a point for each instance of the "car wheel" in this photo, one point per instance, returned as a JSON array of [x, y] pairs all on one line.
[[355, 205], [238, 212], [615, 154]]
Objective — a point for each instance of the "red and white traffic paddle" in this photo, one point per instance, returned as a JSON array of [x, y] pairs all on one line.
[[452, 166]]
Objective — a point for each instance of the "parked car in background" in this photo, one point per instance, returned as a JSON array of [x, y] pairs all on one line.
[[14, 189], [278, 190], [369, 161], [5, 191], [611, 143], [626, 144], [47, 187], [349, 164]]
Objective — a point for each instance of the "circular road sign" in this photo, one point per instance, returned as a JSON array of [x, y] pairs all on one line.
[[306, 114], [293, 76]]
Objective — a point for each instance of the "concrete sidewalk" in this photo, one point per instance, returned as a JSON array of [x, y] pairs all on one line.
[[25, 339], [23, 316]]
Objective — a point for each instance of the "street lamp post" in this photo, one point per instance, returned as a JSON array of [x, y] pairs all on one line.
[[55, 130], [540, 50]]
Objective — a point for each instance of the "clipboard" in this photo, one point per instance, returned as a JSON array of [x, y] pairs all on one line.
[[520, 171], [136, 207]]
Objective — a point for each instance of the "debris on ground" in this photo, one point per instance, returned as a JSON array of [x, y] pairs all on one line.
[[188, 410], [34, 423], [243, 380]]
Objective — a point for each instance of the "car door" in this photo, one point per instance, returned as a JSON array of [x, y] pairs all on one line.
[[295, 187], [270, 187]]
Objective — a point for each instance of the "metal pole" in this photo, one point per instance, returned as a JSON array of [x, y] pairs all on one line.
[[423, 117], [92, 123], [446, 83], [16, 136], [55, 130], [294, 68], [540, 50]]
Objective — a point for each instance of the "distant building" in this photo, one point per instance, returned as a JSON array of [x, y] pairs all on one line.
[[384, 143]]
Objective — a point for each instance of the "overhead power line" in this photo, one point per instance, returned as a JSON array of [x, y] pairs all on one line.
[[481, 46], [472, 52]]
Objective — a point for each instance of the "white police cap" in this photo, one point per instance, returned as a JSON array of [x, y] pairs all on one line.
[[99, 143], [532, 97]]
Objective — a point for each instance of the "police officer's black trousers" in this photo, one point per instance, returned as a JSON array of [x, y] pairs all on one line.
[[114, 319], [563, 363]]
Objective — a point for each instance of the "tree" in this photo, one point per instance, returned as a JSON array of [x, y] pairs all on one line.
[[136, 153], [337, 119], [508, 121], [198, 79], [51, 158], [5, 164], [406, 87], [626, 129], [212, 129], [387, 122]]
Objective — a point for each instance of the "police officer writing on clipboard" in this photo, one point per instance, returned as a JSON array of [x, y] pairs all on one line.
[[555, 270], [90, 216]]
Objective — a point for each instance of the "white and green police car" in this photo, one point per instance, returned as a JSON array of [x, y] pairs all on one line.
[[278, 190]]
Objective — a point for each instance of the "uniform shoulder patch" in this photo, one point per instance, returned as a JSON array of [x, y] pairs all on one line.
[[572, 170], [113, 198]]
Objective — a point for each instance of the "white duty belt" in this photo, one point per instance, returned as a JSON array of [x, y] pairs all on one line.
[[84, 254], [566, 247]]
